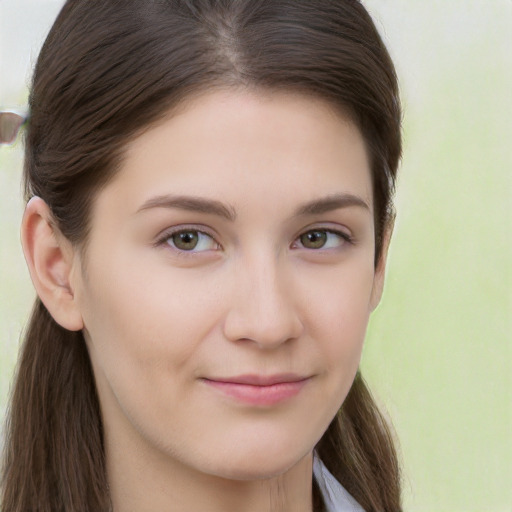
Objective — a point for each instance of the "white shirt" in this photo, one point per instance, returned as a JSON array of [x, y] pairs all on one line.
[[335, 497]]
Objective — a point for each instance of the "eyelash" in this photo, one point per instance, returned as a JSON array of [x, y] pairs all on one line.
[[164, 239], [166, 236], [345, 237]]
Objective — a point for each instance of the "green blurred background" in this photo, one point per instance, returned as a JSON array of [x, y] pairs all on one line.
[[439, 348]]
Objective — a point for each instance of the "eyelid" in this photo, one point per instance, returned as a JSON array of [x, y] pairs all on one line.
[[167, 233], [347, 237]]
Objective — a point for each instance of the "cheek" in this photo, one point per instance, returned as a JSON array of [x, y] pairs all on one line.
[[139, 315], [143, 334], [339, 309]]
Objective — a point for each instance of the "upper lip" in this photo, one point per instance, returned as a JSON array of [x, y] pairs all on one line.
[[261, 380]]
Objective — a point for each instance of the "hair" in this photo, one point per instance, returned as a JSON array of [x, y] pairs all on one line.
[[110, 70]]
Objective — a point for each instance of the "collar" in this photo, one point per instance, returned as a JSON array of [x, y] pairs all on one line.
[[335, 496]]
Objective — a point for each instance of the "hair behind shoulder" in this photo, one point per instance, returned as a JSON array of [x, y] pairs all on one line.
[[358, 449], [109, 70], [54, 459]]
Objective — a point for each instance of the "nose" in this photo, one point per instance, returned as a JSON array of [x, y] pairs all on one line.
[[263, 307]]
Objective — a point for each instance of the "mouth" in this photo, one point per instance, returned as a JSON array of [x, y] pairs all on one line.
[[259, 390]]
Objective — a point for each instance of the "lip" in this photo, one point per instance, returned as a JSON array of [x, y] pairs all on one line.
[[259, 390]]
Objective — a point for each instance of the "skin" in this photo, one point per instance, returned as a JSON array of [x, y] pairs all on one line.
[[254, 296]]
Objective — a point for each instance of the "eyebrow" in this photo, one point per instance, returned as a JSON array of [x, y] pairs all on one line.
[[214, 207], [192, 204], [330, 203]]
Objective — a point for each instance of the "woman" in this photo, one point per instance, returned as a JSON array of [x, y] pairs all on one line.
[[209, 204]]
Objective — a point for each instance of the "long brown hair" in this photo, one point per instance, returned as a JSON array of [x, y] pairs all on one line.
[[107, 71]]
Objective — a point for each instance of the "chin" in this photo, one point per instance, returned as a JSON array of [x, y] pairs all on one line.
[[257, 464], [253, 472]]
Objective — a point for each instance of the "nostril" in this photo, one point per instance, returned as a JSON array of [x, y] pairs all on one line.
[[263, 307], [266, 329]]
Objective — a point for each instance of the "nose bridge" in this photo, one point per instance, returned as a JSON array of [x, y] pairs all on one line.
[[262, 307]]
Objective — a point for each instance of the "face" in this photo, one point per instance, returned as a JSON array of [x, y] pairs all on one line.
[[228, 282]]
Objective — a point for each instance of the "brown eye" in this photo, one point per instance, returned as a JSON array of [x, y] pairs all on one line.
[[313, 239], [323, 239], [191, 240], [186, 240]]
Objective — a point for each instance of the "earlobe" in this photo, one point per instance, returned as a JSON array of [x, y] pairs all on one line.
[[50, 258], [380, 270]]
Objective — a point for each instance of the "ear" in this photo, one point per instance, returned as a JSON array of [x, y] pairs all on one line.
[[380, 269], [50, 258]]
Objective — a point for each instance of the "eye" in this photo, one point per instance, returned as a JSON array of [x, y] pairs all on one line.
[[323, 239], [190, 240]]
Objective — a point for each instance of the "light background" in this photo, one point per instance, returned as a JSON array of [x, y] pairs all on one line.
[[439, 348]]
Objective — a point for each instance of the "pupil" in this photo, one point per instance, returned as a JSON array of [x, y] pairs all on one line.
[[314, 239], [186, 240]]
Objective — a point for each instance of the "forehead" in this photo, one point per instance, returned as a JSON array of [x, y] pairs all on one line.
[[247, 148]]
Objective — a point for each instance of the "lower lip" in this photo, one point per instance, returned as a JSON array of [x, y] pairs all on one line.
[[259, 395]]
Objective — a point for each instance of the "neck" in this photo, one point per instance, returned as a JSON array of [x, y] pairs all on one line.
[[144, 481]]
